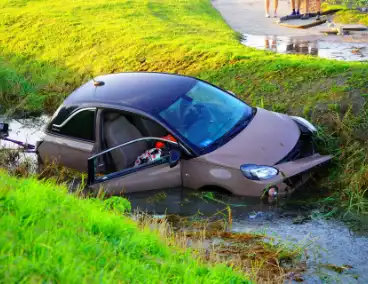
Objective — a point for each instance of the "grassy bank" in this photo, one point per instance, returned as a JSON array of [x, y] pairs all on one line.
[[346, 15], [351, 17], [48, 48], [48, 235], [54, 46]]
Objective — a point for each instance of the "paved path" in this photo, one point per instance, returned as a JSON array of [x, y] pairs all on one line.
[[248, 17]]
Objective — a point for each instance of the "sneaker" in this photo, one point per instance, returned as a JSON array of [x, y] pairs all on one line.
[[297, 12], [305, 17], [267, 15], [275, 15], [293, 13]]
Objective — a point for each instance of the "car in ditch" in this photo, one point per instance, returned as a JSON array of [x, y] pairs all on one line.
[[143, 131]]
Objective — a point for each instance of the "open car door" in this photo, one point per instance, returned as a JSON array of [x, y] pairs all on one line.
[[163, 172]]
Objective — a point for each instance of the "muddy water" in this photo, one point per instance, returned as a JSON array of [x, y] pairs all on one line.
[[347, 48], [26, 130], [331, 241], [23, 129], [327, 242]]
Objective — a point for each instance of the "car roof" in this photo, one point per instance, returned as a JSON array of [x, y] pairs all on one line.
[[146, 91]]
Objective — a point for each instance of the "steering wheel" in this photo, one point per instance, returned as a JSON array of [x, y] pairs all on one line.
[[194, 112]]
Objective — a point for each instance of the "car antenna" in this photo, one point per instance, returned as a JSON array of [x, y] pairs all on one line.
[[95, 83], [98, 83]]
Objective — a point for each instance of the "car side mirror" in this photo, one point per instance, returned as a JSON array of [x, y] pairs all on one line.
[[175, 156]]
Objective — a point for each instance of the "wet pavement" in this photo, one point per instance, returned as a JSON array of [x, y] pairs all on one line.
[[248, 18], [347, 49]]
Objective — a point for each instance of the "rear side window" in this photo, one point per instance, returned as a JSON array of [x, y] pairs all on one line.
[[80, 126]]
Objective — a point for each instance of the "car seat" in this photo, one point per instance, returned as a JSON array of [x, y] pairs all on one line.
[[148, 127], [119, 130]]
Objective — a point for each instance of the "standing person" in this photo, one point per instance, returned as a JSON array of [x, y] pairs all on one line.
[[297, 11], [267, 6], [306, 16]]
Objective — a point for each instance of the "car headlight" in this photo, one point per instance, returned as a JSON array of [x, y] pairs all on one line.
[[256, 172], [305, 123]]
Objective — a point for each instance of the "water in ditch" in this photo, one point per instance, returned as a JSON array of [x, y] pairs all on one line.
[[330, 241]]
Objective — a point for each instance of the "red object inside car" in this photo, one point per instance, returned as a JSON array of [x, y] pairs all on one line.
[[162, 144]]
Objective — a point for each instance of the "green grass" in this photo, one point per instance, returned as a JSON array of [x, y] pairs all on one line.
[[48, 48], [57, 45], [50, 236], [346, 15], [351, 17]]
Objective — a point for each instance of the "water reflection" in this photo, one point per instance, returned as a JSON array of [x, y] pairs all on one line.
[[187, 202], [27, 130], [302, 47], [322, 47]]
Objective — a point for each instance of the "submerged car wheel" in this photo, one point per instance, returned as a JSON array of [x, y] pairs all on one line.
[[270, 195]]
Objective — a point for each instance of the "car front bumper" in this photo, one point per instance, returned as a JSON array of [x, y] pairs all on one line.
[[293, 174]]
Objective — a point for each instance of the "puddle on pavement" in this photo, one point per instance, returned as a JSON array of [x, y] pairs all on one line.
[[348, 49], [331, 241]]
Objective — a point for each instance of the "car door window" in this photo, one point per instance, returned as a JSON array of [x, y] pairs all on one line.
[[147, 158], [80, 126]]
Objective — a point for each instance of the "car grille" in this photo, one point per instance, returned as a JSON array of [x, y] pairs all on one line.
[[302, 149]]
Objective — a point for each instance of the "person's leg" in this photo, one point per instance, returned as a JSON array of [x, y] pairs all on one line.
[[298, 7], [307, 6], [267, 8], [318, 9], [274, 43], [313, 48], [293, 7], [267, 43], [276, 2], [306, 15]]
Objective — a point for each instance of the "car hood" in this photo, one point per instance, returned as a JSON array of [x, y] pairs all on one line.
[[266, 140]]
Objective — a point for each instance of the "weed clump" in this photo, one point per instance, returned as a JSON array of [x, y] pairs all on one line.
[[263, 258]]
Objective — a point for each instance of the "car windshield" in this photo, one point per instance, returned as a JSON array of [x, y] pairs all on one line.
[[205, 114]]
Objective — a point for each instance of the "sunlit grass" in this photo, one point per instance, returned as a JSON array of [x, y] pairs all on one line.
[[351, 17], [346, 15], [48, 48], [48, 235], [57, 45], [348, 179]]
